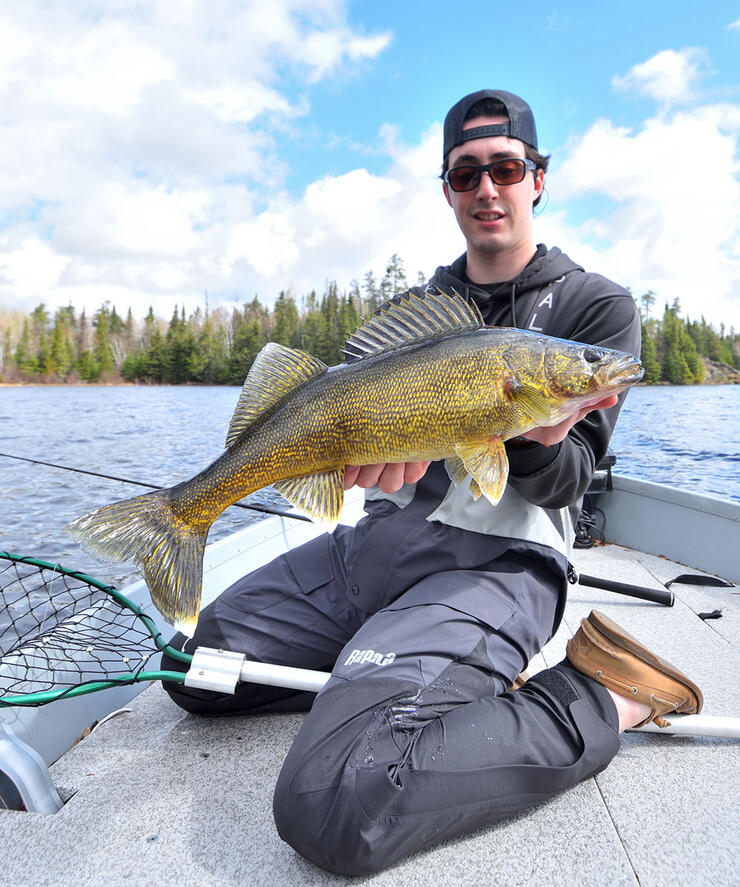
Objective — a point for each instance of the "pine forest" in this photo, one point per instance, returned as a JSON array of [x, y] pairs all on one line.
[[218, 346]]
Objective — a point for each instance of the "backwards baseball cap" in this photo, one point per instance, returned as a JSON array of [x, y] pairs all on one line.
[[519, 126]]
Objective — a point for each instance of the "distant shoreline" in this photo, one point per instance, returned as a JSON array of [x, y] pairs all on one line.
[[731, 380]]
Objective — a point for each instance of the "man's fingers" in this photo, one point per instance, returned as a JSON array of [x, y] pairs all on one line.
[[414, 471], [350, 476], [369, 475], [553, 434], [390, 477]]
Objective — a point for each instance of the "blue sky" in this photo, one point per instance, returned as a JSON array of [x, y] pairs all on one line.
[[156, 151]]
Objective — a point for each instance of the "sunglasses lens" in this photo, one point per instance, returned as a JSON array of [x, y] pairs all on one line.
[[503, 172], [508, 172], [463, 178]]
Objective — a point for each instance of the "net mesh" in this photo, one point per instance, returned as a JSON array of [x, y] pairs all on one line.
[[57, 630]]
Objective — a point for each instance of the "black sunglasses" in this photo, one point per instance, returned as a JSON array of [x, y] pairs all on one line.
[[510, 171]]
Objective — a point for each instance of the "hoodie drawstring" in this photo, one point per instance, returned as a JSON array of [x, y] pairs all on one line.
[[513, 304]]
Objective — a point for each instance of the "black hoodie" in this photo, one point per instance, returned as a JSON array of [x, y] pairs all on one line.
[[555, 296]]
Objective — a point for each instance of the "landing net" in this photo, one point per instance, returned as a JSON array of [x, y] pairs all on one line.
[[61, 629]]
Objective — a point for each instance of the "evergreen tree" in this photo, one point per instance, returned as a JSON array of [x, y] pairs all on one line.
[[24, 359], [649, 358], [154, 364], [102, 353], [647, 300], [313, 327], [286, 329], [394, 279], [246, 346], [61, 352], [372, 295], [178, 350]]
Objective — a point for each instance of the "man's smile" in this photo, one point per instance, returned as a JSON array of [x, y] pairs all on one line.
[[487, 215]]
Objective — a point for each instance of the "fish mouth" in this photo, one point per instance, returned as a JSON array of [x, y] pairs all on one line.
[[621, 373]]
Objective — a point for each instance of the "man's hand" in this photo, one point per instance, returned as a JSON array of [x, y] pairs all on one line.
[[555, 433], [389, 476]]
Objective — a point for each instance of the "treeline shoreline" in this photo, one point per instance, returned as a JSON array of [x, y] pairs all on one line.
[[217, 347]]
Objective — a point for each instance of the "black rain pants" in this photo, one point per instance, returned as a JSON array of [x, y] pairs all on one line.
[[415, 738]]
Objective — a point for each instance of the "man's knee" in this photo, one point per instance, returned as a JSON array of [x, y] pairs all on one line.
[[343, 775], [327, 823]]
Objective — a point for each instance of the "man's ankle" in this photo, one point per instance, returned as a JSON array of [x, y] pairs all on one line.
[[629, 711]]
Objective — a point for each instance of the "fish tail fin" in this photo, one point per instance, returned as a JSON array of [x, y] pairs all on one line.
[[167, 548]]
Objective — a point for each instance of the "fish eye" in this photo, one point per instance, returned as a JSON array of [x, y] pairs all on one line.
[[592, 355]]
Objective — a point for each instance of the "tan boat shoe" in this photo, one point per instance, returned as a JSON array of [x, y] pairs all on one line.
[[519, 681], [605, 652]]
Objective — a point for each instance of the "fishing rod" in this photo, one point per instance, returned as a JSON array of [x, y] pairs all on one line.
[[124, 480], [655, 595]]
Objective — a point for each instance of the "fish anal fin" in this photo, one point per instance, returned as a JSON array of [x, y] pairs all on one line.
[[320, 496], [486, 462], [411, 317], [276, 372]]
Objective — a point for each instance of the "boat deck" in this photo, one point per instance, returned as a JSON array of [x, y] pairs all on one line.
[[158, 796]]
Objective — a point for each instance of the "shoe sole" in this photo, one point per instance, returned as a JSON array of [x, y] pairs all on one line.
[[617, 635]]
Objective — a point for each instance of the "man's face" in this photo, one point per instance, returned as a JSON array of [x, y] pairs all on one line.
[[493, 218]]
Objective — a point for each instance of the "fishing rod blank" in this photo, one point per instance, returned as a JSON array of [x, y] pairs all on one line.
[[655, 595], [137, 483]]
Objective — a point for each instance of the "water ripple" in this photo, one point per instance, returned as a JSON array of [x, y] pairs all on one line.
[[684, 437]]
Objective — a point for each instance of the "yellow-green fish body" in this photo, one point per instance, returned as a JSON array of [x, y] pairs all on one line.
[[424, 380]]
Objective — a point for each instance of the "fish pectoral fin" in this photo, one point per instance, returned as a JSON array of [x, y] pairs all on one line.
[[319, 496], [488, 465], [529, 402]]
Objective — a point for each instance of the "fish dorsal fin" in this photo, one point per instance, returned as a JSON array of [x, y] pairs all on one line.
[[412, 317], [276, 372]]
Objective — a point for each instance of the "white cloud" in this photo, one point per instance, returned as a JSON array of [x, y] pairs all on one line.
[[30, 268], [344, 225], [326, 50], [672, 222], [735, 24], [669, 76], [154, 188], [139, 147]]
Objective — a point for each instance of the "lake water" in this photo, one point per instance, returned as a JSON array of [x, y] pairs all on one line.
[[687, 437]]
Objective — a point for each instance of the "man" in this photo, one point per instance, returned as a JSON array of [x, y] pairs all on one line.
[[428, 610]]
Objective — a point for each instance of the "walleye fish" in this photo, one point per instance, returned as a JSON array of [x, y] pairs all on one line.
[[424, 379]]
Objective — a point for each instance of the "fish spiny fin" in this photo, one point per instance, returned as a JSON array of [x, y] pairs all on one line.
[[277, 371], [412, 317], [166, 547], [320, 496], [488, 465]]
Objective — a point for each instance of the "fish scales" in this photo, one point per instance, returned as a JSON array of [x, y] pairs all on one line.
[[415, 404], [454, 390]]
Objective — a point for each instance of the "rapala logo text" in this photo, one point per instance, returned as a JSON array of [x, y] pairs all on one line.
[[357, 657]]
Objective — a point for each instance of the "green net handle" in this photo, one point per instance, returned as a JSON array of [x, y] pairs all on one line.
[[33, 699]]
